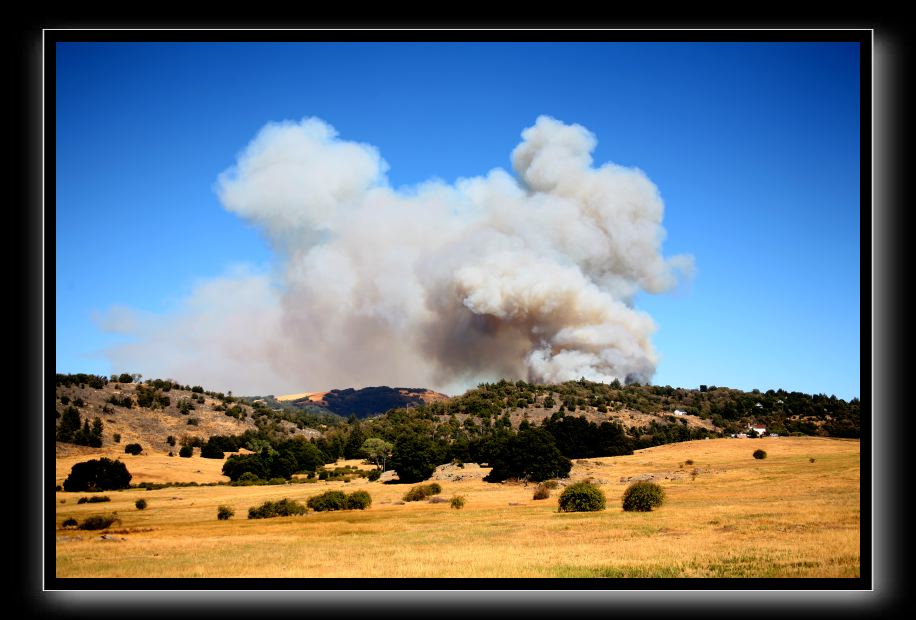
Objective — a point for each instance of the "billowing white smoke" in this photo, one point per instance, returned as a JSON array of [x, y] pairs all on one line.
[[440, 286]]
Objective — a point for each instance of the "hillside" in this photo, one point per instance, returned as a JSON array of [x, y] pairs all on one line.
[[467, 427], [364, 402], [718, 409], [160, 409]]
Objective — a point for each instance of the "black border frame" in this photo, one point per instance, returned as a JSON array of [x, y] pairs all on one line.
[[546, 595]]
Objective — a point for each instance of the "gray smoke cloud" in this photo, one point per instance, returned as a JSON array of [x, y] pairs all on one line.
[[530, 276]]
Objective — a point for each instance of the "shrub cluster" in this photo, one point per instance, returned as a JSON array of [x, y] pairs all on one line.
[[338, 500], [224, 513], [73, 429], [140, 504], [120, 401], [98, 522], [457, 502], [581, 497], [288, 458], [422, 491], [760, 454], [331, 500], [643, 496], [133, 448], [69, 522], [282, 508], [95, 499], [358, 500]]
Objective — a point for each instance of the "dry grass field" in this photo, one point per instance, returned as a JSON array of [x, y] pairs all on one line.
[[783, 516]]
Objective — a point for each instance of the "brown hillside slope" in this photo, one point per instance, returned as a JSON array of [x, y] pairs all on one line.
[[150, 427]]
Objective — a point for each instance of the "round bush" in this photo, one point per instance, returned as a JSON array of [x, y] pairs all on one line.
[[140, 504], [760, 454], [133, 448], [374, 475], [422, 491], [643, 496], [582, 497], [224, 513], [69, 522], [331, 500], [358, 500], [457, 502], [186, 451]]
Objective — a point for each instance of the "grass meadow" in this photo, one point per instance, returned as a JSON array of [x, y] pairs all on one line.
[[726, 515]]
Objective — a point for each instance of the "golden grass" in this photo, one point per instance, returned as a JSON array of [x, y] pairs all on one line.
[[739, 517]]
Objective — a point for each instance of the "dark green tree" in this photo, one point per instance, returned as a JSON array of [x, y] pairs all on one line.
[[70, 424], [98, 475], [414, 457], [532, 455]]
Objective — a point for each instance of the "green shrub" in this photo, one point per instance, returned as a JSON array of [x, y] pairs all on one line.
[[249, 478], [422, 491], [116, 437], [643, 496], [276, 481], [186, 451], [541, 492], [98, 522], [358, 500], [69, 522], [133, 448], [211, 451], [283, 508], [140, 504], [457, 502], [760, 454], [550, 484], [581, 497], [330, 500], [374, 475], [224, 513]]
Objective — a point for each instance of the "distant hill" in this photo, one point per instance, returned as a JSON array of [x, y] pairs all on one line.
[[364, 402], [149, 413]]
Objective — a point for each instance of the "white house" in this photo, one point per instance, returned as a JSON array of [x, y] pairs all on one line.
[[679, 412], [760, 430]]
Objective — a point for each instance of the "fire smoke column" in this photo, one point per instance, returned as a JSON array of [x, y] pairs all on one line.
[[530, 275]]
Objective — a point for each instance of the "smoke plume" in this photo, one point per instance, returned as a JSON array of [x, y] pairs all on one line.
[[529, 276]]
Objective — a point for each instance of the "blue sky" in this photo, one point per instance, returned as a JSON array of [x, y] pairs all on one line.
[[753, 146]]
